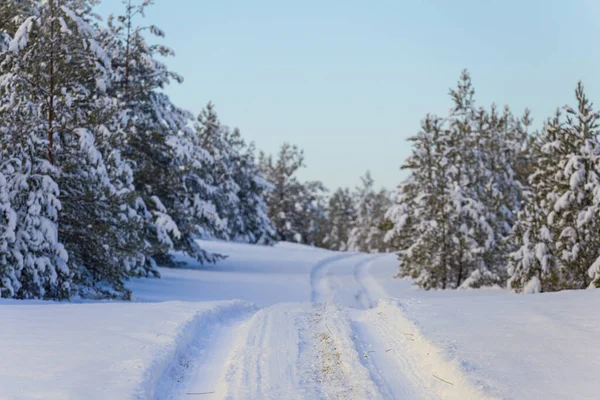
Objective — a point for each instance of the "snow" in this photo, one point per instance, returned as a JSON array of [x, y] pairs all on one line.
[[21, 38], [311, 324], [98, 351]]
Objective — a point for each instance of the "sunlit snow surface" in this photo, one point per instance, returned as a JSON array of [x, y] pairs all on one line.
[[308, 324]]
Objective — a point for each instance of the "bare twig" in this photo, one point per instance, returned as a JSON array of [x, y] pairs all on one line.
[[443, 380], [388, 350], [328, 329], [193, 394]]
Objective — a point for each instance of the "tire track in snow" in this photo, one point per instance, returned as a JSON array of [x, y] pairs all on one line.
[[194, 343], [338, 361], [386, 358], [264, 363], [297, 351], [401, 362], [327, 351], [318, 279], [409, 366], [365, 294]]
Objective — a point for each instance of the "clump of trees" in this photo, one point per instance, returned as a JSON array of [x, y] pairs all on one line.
[[303, 212], [101, 175], [485, 203]]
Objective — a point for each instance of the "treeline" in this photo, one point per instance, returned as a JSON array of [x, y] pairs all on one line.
[[305, 212], [487, 204], [101, 175]]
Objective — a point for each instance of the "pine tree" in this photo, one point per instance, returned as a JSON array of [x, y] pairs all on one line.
[[402, 215], [282, 199], [469, 225], [311, 213], [100, 174], [423, 209], [454, 213], [376, 239], [8, 227], [366, 235], [217, 171], [233, 183], [297, 209], [557, 231], [254, 225], [55, 63], [160, 144], [341, 215]]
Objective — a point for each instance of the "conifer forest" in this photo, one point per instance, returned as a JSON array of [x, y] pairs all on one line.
[[103, 178]]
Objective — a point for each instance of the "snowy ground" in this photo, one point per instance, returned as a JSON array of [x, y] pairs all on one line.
[[309, 324]]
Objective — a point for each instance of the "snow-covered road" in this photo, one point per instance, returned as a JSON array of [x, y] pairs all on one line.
[[309, 324], [344, 344]]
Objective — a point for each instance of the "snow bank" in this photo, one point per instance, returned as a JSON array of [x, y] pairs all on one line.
[[445, 377], [542, 346], [517, 346], [99, 351]]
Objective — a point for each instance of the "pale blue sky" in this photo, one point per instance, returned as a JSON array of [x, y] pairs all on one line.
[[348, 81]]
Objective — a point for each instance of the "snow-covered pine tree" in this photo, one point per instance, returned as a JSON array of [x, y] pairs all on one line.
[[557, 231], [401, 215], [311, 213], [296, 209], [363, 200], [8, 227], [341, 215], [455, 211], [490, 147], [532, 266], [33, 261], [376, 238], [502, 137], [217, 172], [423, 209], [232, 183], [469, 228], [366, 235], [282, 200], [162, 147], [57, 74], [255, 225]]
